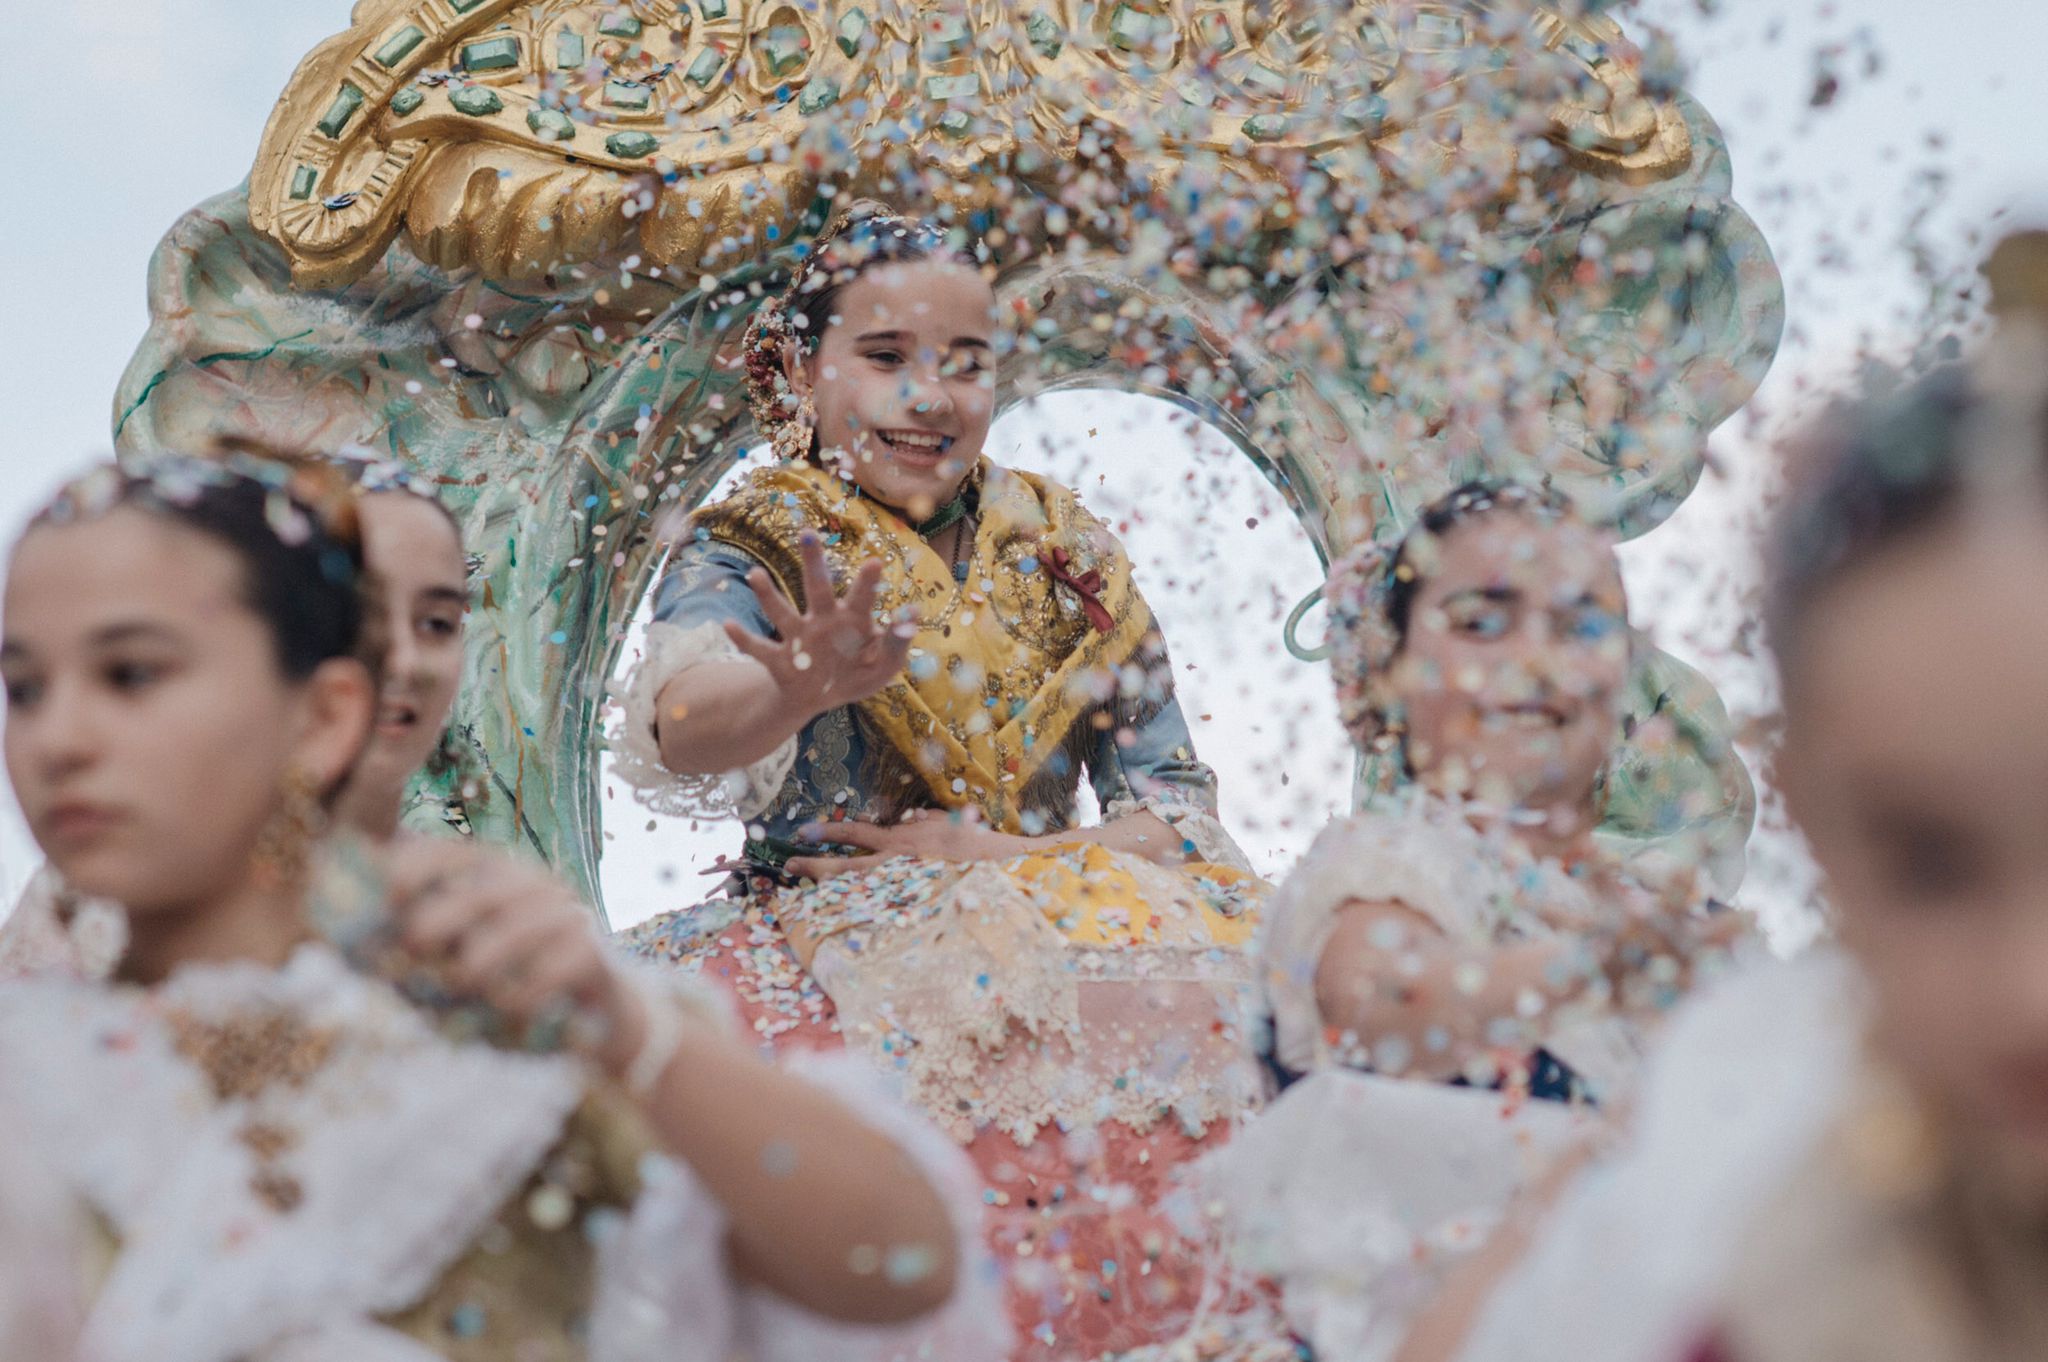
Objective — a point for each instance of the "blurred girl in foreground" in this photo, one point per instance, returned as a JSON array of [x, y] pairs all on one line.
[[1847, 1156], [274, 1156]]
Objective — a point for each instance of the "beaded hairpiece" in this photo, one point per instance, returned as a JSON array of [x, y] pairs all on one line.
[[299, 496], [1365, 638]]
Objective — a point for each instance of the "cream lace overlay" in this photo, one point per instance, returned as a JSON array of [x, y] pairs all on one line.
[[960, 979], [1479, 887], [746, 793]]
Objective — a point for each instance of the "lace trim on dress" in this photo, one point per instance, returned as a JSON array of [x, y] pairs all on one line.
[[636, 756], [1212, 844], [957, 978]]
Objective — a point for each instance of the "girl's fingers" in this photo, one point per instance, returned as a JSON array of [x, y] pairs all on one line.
[[765, 651], [555, 976], [818, 592], [441, 917], [781, 612], [825, 867], [413, 867], [503, 948]]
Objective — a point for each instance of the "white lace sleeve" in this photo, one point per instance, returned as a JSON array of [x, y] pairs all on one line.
[[665, 1294], [1201, 829], [1382, 858], [636, 756]]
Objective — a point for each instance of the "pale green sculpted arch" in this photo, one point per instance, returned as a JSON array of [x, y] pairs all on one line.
[[573, 403]]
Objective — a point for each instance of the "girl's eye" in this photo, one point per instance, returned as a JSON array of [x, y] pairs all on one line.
[[888, 359], [1590, 623], [1482, 622], [133, 676], [439, 627], [22, 691], [966, 364]]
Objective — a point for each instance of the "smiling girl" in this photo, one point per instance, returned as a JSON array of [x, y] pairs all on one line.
[[895, 660], [1464, 928]]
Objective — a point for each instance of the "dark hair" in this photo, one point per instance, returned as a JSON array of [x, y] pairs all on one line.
[[869, 237], [293, 532], [1884, 472], [1461, 503]]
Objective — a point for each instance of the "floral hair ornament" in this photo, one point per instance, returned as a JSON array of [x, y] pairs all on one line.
[[863, 232]]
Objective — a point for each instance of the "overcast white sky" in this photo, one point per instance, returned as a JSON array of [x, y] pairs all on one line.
[[1957, 86]]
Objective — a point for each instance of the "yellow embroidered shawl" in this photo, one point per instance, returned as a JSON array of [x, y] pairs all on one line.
[[1004, 664]]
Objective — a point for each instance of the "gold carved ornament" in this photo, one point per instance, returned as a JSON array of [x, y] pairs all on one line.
[[517, 137]]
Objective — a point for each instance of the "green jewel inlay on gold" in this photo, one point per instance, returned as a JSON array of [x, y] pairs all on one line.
[[1131, 28], [550, 125], [341, 111], [821, 94], [1267, 81], [958, 123], [853, 26], [304, 181], [1439, 32], [784, 48], [945, 36], [399, 46], [631, 145], [626, 94], [1265, 127], [407, 100], [492, 54], [619, 24], [463, 6], [713, 9], [705, 69], [1215, 32], [952, 87], [475, 100], [569, 51], [1045, 35]]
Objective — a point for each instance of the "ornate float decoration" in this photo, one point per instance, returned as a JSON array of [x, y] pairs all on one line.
[[515, 243]]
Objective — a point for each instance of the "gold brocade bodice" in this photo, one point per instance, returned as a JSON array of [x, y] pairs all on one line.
[[1004, 665]]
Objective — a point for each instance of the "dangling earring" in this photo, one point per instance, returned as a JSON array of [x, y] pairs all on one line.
[[286, 844], [792, 437]]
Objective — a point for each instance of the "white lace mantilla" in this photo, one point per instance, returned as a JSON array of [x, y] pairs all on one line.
[[405, 1145], [636, 756], [1480, 887]]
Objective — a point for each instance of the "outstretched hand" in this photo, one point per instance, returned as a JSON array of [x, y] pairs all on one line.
[[932, 834], [833, 652]]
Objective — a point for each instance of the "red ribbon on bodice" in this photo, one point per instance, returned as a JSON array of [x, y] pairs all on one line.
[[1087, 585]]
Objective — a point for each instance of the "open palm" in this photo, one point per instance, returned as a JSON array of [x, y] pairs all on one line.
[[833, 651]]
